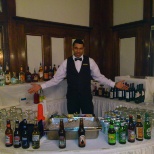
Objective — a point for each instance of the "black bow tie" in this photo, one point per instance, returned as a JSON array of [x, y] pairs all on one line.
[[78, 59]]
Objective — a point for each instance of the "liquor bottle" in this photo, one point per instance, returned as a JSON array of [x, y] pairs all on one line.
[[28, 75], [54, 69], [120, 94], [100, 90], [21, 75], [36, 98], [50, 72], [36, 136], [2, 77], [40, 73], [94, 92], [14, 79], [137, 95], [24, 135], [133, 92], [131, 130], [111, 93], [147, 127], [122, 134], [7, 75], [35, 76], [139, 129], [62, 136], [17, 137], [81, 134], [8, 135], [111, 134], [128, 94], [46, 74], [107, 93], [143, 93]]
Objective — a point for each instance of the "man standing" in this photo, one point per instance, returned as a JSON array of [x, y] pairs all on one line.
[[78, 69]]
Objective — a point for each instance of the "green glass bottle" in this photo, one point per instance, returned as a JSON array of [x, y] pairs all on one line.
[[147, 127], [122, 134], [36, 137], [111, 134]]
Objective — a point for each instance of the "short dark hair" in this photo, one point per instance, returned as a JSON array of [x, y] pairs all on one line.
[[78, 41]]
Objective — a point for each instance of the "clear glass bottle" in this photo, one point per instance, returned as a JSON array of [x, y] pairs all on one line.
[[14, 79], [40, 73], [7, 75]]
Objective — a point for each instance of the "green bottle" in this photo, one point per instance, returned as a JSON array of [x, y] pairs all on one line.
[[36, 137], [147, 127], [111, 134], [122, 134]]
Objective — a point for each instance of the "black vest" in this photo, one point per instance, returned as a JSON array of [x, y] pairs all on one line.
[[78, 83]]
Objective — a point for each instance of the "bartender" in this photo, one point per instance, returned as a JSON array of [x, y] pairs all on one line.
[[78, 69]]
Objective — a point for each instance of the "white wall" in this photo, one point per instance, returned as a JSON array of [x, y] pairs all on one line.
[[125, 11], [63, 11]]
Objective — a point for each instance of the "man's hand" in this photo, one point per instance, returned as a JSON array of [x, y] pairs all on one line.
[[121, 85], [35, 88]]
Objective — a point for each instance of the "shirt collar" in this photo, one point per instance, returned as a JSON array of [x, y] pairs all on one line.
[[78, 57]]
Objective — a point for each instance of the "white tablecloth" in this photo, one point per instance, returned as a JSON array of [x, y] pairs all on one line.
[[93, 146]]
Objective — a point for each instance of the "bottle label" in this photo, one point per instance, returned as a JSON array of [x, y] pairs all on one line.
[[137, 95], [8, 139], [46, 76], [127, 95], [22, 78], [131, 135], [82, 140], [16, 140], [35, 78], [62, 141], [7, 78], [139, 132], [24, 141], [111, 138], [2, 77], [148, 132], [28, 78], [41, 74], [122, 136], [35, 138], [100, 92], [120, 94], [111, 94]]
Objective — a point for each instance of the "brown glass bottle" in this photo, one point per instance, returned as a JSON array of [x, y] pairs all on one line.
[[81, 134], [35, 76], [40, 73], [139, 129], [131, 130], [8, 135], [21, 75], [17, 137], [62, 135], [46, 74], [50, 72]]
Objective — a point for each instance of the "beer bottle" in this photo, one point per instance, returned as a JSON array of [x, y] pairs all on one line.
[[17, 137], [111, 134], [8, 135], [45, 74], [139, 129], [122, 134], [21, 75], [62, 136], [147, 127], [24, 136], [131, 130], [50, 73], [36, 136], [81, 134]]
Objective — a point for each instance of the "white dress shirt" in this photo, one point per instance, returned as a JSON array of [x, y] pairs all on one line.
[[62, 73]]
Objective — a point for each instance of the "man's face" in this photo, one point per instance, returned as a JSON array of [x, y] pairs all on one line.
[[78, 50]]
